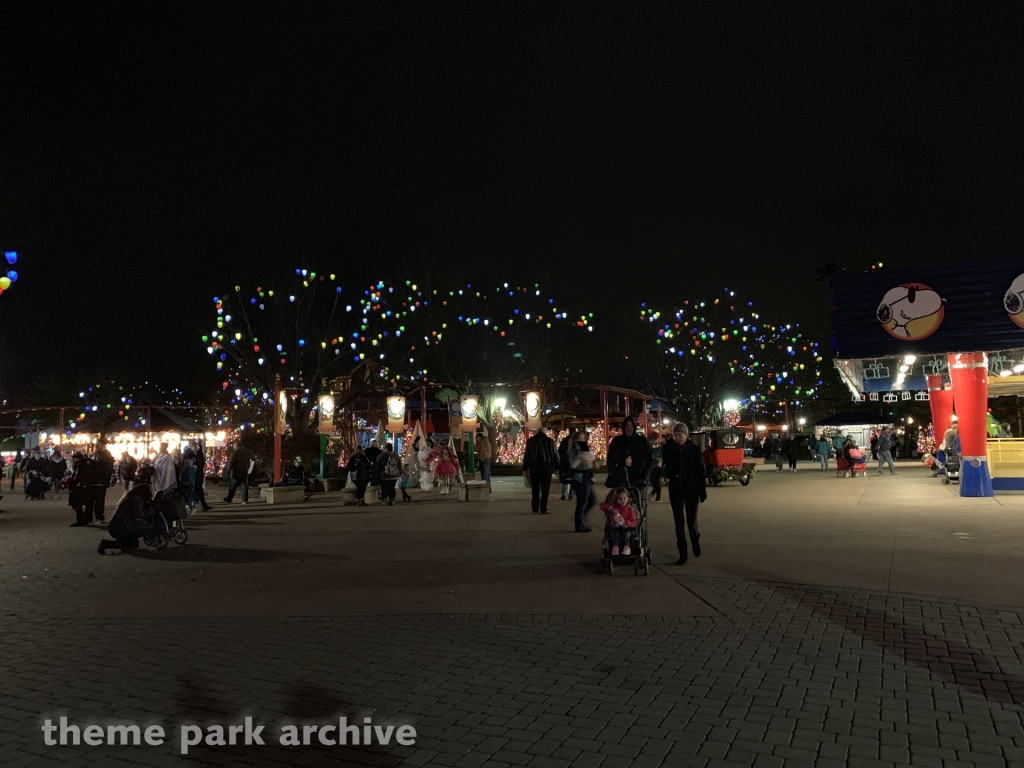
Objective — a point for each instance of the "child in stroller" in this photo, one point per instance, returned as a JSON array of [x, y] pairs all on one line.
[[625, 533], [620, 526]]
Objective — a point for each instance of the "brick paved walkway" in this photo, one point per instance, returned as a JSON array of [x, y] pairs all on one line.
[[813, 677]]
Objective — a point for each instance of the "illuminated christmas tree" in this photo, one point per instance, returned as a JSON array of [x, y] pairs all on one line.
[[926, 442]]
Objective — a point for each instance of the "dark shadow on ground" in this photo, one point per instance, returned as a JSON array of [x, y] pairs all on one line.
[[202, 553], [885, 628], [199, 703], [216, 516]]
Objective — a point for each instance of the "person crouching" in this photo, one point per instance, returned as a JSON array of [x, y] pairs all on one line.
[[128, 524], [621, 519]]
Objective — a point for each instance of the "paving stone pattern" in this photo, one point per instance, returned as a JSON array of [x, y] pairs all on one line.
[[812, 677]]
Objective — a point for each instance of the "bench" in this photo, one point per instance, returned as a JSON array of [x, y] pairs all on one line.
[[286, 494], [475, 490]]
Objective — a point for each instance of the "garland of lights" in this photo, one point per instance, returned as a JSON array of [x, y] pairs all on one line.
[[396, 329], [769, 364]]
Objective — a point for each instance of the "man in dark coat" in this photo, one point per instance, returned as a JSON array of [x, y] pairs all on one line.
[[238, 470], [629, 458], [683, 466], [104, 471], [540, 460], [81, 489]]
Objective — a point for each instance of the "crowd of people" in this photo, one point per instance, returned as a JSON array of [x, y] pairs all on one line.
[[633, 462]]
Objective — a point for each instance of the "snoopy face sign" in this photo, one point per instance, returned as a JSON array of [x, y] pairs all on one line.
[[911, 311], [1013, 301]]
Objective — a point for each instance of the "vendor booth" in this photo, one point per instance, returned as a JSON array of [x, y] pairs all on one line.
[[948, 334], [859, 426]]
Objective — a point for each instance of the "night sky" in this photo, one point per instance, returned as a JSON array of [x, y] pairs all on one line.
[[613, 152]]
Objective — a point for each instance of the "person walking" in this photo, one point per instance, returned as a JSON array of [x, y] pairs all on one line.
[[540, 460], [565, 472], [581, 461], [237, 469], [687, 487], [629, 458], [874, 445], [359, 468], [197, 455], [24, 465], [127, 466], [389, 470], [852, 452], [372, 453], [885, 451], [657, 446], [484, 454], [837, 444], [656, 479], [12, 469], [104, 472], [58, 467], [790, 450], [777, 452], [824, 448]]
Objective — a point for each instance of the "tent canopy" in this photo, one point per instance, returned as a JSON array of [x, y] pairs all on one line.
[[164, 420], [851, 420]]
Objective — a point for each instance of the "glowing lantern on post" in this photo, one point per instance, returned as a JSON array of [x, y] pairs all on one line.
[[533, 400], [469, 405], [325, 405], [281, 421], [396, 413]]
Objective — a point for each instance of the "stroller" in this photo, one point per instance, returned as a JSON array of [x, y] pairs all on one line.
[[640, 557], [951, 467], [167, 515], [36, 485], [859, 466]]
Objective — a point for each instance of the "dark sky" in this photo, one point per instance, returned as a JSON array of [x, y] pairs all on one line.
[[613, 151]]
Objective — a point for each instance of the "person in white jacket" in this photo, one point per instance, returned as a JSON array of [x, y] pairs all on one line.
[[166, 476]]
